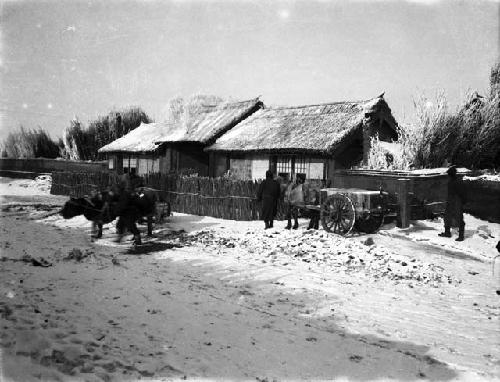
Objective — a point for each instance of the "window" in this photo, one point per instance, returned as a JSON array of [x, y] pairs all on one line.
[[111, 163], [129, 164], [133, 163], [310, 168], [125, 164], [284, 166], [300, 166]]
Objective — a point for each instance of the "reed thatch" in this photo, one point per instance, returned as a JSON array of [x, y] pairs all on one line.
[[142, 139], [203, 124], [311, 128]]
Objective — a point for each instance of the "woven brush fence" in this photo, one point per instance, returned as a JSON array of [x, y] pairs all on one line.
[[79, 184], [217, 197]]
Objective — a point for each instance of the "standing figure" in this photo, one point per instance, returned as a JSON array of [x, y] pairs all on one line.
[[454, 216], [126, 210], [294, 199], [311, 197], [268, 194]]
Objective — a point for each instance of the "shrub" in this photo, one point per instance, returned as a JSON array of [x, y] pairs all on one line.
[[29, 144], [83, 143], [413, 147], [468, 137]]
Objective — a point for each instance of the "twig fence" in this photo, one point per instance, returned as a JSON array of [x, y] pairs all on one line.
[[217, 197]]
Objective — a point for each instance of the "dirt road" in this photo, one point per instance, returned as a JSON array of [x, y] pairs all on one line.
[[228, 313]]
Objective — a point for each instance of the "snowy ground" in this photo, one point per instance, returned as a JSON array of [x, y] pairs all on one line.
[[207, 298]]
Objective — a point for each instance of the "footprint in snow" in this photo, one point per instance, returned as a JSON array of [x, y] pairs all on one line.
[[355, 358]]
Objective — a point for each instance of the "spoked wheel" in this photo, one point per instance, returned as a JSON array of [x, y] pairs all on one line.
[[337, 214], [370, 223]]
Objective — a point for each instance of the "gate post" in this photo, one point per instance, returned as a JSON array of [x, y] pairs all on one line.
[[403, 203]]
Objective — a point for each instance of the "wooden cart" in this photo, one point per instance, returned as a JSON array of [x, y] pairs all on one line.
[[345, 209]]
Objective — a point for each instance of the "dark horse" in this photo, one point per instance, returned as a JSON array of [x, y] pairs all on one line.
[[104, 207]]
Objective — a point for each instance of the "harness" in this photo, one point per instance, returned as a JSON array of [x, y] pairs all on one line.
[[105, 213], [81, 205]]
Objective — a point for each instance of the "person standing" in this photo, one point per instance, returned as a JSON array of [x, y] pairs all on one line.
[[268, 194], [454, 216], [311, 196], [294, 199]]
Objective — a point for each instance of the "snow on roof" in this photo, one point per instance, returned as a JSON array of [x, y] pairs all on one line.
[[207, 122], [312, 128], [199, 125], [141, 139]]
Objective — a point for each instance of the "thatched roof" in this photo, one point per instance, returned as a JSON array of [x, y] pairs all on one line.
[[141, 139], [311, 128], [207, 122], [202, 124]]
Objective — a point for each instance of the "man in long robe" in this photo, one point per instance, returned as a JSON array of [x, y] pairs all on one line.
[[454, 216], [268, 194]]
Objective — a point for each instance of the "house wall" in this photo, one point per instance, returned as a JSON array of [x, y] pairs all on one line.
[[316, 169], [166, 161], [183, 156], [193, 157], [148, 164], [219, 163], [115, 162], [260, 164], [351, 155], [254, 166], [249, 167], [241, 168], [142, 163]]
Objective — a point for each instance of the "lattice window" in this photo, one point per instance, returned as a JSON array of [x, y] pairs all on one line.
[[125, 164], [300, 166], [284, 165], [133, 162]]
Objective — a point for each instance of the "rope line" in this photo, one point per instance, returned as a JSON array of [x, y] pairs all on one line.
[[166, 191]]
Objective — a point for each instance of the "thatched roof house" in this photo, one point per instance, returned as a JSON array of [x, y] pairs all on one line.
[[143, 139], [178, 144], [283, 136]]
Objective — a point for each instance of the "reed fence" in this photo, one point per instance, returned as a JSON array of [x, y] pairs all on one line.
[[76, 184], [217, 197]]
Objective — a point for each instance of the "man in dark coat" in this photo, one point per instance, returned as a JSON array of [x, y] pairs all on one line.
[[268, 194], [126, 212], [454, 216]]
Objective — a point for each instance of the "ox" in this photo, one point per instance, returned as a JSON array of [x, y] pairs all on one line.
[[104, 207]]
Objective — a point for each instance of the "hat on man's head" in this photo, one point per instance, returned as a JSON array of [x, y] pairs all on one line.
[[452, 170]]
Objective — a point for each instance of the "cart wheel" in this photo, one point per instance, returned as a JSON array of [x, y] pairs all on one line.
[[370, 224], [337, 214]]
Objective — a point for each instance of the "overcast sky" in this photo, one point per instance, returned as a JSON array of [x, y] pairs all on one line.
[[61, 59]]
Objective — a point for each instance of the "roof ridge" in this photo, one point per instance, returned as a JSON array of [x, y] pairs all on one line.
[[312, 105], [231, 102], [318, 104]]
